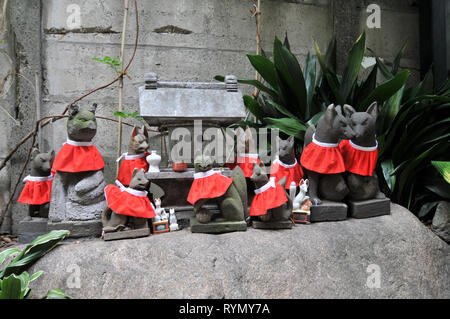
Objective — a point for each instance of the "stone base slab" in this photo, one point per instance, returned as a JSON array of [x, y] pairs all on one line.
[[328, 211], [30, 229], [369, 208], [127, 234], [286, 224], [88, 228], [217, 227]]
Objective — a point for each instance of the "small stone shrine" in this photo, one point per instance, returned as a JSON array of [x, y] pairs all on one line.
[[177, 106]]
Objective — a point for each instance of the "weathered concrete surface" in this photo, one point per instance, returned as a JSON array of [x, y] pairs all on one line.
[[322, 260]]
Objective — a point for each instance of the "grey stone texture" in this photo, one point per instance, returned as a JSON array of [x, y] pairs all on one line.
[[29, 230], [217, 227], [369, 208], [39, 40], [329, 211], [321, 260], [286, 224], [79, 228], [127, 234], [441, 221]]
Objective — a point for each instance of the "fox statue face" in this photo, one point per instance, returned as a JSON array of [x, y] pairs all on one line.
[[41, 163], [139, 140], [139, 181], [259, 175], [363, 123], [338, 126], [286, 150], [203, 163], [81, 125]]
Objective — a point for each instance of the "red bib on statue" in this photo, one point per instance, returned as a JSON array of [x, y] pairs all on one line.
[[37, 190], [269, 196], [323, 158], [245, 162], [358, 159], [129, 202], [76, 157], [209, 184], [129, 163], [293, 172]]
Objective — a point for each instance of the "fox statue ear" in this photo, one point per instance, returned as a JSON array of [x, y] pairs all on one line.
[[52, 156], [307, 182], [348, 110], [134, 132], [330, 113], [291, 139], [144, 129], [372, 110], [73, 110], [34, 152]]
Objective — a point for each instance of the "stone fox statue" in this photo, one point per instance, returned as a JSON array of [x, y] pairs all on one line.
[[37, 190], [271, 201], [77, 191], [128, 207], [211, 185], [360, 154], [136, 155], [285, 164], [321, 157]]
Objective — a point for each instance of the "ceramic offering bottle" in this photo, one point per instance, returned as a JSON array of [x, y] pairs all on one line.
[[153, 161]]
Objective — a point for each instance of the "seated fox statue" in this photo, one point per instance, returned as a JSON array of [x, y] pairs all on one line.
[[38, 185], [230, 193], [77, 190], [128, 207]]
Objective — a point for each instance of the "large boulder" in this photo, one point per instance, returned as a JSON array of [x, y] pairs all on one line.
[[441, 221], [321, 260]]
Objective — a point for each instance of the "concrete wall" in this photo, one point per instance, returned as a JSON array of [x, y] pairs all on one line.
[[221, 33]]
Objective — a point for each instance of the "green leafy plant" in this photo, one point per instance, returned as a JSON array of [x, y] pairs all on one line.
[[14, 279], [114, 64], [413, 129], [125, 115], [443, 168]]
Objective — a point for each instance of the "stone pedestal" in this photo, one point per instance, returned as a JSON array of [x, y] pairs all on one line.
[[77, 202], [217, 227], [328, 211], [286, 224], [127, 234], [30, 229], [85, 228], [369, 208]]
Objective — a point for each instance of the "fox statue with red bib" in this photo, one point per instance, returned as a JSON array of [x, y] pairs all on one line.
[[77, 190], [360, 154]]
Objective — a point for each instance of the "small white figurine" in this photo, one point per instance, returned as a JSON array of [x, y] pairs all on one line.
[[158, 209], [301, 196], [164, 215], [173, 220]]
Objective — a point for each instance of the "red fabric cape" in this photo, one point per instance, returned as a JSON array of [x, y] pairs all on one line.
[[357, 161], [128, 165], [74, 159], [266, 200], [293, 174], [36, 193], [323, 160], [245, 163], [212, 186], [124, 203]]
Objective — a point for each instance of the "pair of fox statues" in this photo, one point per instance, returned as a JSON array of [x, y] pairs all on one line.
[[338, 160]]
